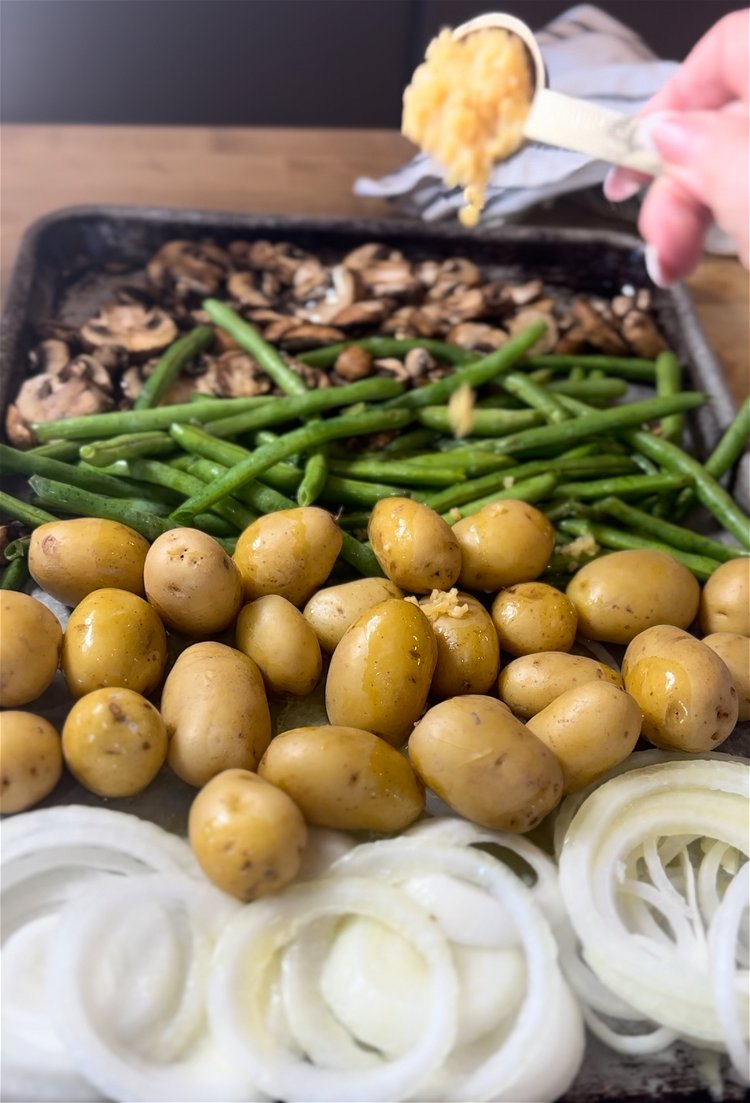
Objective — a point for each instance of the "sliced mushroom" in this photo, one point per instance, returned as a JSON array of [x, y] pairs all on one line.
[[462, 306], [49, 356], [112, 357], [281, 258], [131, 383], [520, 294], [17, 430], [527, 317], [46, 398], [234, 374], [573, 340], [313, 378], [243, 288], [390, 278], [412, 321], [88, 368], [342, 290], [477, 335], [311, 281], [370, 312], [182, 268], [309, 336], [365, 255], [419, 362], [275, 330], [641, 333], [394, 367], [455, 274], [139, 329], [621, 304], [353, 363]]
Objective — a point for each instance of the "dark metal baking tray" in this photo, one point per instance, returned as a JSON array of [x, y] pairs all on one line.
[[70, 263]]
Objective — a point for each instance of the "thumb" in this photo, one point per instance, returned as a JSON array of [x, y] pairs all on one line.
[[708, 153]]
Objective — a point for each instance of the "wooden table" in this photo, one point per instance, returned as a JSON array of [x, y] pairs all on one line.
[[305, 171]]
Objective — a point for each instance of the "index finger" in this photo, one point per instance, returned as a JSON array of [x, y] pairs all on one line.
[[714, 73]]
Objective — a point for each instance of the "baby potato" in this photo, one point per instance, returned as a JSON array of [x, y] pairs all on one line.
[[734, 650], [414, 546], [485, 764], [70, 559], [216, 712], [114, 638], [275, 635], [192, 583], [381, 671], [290, 553], [684, 689], [332, 610], [247, 835], [468, 653], [508, 541], [30, 760], [533, 617], [30, 643], [114, 742], [589, 729], [725, 600], [345, 778], [531, 682], [623, 593]]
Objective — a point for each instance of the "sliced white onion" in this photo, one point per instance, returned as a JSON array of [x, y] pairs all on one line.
[[324, 847], [491, 989], [732, 999], [100, 990], [467, 915], [247, 956]]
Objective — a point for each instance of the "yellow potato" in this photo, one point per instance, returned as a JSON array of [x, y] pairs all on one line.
[[381, 671], [508, 541], [114, 638], [623, 593], [734, 650], [332, 610], [192, 583], [114, 742], [290, 553], [485, 764], [275, 635], [70, 559], [345, 778], [589, 729], [30, 760], [414, 546], [684, 689], [725, 601], [530, 683], [533, 617], [247, 835], [468, 653], [30, 642], [215, 709]]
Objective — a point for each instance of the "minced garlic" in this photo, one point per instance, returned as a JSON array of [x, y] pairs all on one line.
[[461, 410], [466, 106], [441, 603], [582, 545]]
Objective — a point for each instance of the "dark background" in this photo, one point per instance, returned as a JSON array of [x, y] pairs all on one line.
[[257, 62]]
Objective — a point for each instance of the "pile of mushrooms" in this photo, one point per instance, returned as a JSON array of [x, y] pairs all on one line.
[[298, 301]]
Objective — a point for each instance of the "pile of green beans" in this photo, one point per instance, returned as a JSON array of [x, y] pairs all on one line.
[[554, 430]]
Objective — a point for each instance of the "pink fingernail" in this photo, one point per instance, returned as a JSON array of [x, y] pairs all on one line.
[[666, 133], [619, 188], [656, 273]]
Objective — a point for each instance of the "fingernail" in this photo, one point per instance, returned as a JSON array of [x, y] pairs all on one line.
[[656, 273], [668, 134], [619, 188]]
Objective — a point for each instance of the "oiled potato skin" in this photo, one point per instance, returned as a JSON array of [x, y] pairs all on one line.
[[216, 712], [531, 682], [414, 545], [113, 638], [290, 553], [734, 650], [31, 640], [468, 653], [333, 609], [345, 778], [626, 592], [725, 600], [192, 583], [532, 617], [486, 764], [684, 689], [276, 636], [70, 559], [506, 542], [31, 758], [381, 671]]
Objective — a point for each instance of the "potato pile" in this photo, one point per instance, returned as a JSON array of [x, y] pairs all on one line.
[[454, 672]]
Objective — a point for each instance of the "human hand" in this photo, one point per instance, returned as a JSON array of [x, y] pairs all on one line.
[[699, 124]]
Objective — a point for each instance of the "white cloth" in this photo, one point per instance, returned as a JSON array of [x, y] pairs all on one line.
[[588, 54]]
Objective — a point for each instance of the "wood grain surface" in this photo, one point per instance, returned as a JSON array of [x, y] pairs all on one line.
[[45, 168]]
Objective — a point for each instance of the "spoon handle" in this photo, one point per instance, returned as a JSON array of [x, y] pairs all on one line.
[[569, 123]]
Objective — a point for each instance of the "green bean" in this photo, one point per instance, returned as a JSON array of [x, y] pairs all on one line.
[[408, 442], [294, 407], [403, 472], [64, 450], [647, 466], [138, 515], [731, 445], [526, 490], [161, 474], [716, 500], [18, 548], [389, 346], [313, 480], [170, 364], [587, 389], [28, 463], [304, 439], [469, 460], [598, 422], [536, 396], [668, 382], [701, 566], [645, 524], [624, 486], [248, 338], [129, 446], [625, 366], [475, 374], [16, 575], [484, 423], [117, 422], [23, 511]]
